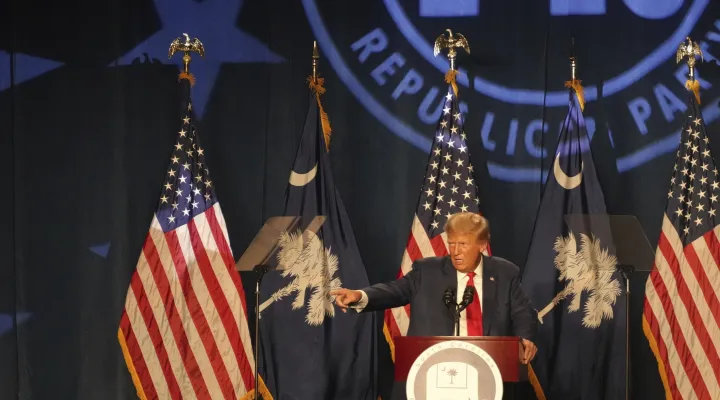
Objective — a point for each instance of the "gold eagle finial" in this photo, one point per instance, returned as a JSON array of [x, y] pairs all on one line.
[[189, 46], [690, 49], [451, 42]]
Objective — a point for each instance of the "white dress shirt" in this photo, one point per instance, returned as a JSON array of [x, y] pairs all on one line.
[[462, 283], [462, 278]]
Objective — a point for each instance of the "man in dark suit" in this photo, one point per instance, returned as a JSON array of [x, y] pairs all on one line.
[[504, 310]]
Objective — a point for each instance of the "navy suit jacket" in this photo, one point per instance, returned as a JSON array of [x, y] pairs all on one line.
[[506, 308]]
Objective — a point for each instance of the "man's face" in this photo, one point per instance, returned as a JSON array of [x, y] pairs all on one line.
[[465, 251]]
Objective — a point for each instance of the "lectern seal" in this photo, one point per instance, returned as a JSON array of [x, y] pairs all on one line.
[[454, 370]]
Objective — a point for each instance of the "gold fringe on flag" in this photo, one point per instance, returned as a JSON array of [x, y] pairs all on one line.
[[131, 366], [316, 85], [576, 85], [693, 86], [389, 339], [186, 75], [655, 350], [450, 78]]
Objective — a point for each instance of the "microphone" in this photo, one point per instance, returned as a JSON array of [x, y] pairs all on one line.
[[467, 297], [449, 297]]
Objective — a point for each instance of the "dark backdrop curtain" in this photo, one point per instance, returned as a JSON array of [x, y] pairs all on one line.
[[85, 142]]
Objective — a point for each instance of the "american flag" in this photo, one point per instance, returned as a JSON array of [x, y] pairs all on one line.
[[448, 188], [682, 314], [184, 331]]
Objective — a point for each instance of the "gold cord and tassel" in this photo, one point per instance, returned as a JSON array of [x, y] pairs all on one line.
[[188, 76], [316, 85], [693, 86], [576, 85], [450, 77]]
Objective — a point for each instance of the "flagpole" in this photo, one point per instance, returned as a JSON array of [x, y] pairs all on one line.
[[315, 59], [260, 271], [574, 83], [573, 65], [625, 271]]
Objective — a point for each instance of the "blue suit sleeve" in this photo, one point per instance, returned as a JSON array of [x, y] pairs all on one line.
[[397, 293], [523, 316]]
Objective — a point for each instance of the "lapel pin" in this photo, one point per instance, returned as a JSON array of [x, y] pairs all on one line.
[[492, 278]]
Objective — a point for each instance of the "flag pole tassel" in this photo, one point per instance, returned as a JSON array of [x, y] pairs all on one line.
[[693, 86], [576, 86], [316, 85], [450, 77]]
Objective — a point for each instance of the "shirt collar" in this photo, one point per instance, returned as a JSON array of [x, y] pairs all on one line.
[[478, 270]]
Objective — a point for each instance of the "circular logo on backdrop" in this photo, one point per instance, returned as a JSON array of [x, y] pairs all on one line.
[[383, 52], [454, 370]]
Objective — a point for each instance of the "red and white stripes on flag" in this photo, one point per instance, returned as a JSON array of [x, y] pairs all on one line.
[[682, 314], [681, 318], [184, 331]]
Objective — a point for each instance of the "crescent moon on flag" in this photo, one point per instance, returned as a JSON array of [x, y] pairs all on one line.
[[567, 182], [297, 179]]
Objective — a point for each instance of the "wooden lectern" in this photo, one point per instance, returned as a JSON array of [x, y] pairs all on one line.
[[506, 351]]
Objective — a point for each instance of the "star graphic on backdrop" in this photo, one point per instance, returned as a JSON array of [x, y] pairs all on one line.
[[101, 249], [212, 22], [26, 67], [6, 321]]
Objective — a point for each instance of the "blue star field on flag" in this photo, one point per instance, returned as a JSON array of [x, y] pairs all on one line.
[[449, 186], [188, 189]]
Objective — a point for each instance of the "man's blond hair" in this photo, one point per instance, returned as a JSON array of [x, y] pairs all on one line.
[[466, 223]]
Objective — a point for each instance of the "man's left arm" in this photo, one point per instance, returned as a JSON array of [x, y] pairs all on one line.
[[523, 318], [522, 315]]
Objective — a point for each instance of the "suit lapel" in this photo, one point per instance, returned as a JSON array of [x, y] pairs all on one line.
[[489, 288]]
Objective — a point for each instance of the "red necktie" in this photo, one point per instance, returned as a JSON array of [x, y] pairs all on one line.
[[474, 311]]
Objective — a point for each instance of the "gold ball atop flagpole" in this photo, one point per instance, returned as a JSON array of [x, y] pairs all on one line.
[[187, 47]]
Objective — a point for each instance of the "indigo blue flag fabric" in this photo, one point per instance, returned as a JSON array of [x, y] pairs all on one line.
[[572, 278], [309, 348]]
